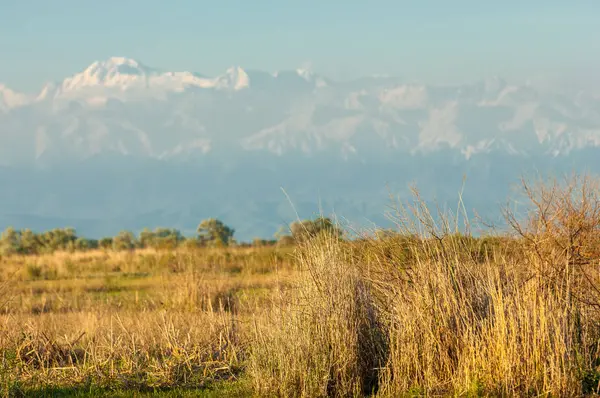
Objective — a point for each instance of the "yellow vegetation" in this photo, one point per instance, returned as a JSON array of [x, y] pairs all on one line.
[[428, 310]]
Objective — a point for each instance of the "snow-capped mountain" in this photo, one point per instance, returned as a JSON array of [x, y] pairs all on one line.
[[11, 99], [124, 78], [120, 144], [121, 105]]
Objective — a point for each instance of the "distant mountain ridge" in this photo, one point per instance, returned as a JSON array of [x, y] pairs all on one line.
[[121, 105], [124, 145]]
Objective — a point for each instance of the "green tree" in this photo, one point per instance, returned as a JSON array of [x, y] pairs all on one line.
[[259, 242], [214, 232], [147, 238], [82, 244], [125, 240], [161, 238], [30, 242], [10, 241], [302, 231], [58, 239], [167, 238], [106, 243], [190, 243]]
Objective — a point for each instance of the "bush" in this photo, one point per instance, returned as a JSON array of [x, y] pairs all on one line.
[[561, 231], [328, 341], [34, 271], [431, 310]]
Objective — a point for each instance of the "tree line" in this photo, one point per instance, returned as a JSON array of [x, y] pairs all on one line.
[[210, 233]]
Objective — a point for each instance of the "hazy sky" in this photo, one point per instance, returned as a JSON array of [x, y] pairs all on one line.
[[437, 41]]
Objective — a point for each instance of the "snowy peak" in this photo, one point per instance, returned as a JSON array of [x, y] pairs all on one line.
[[235, 78], [300, 77], [116, 65], [122, 61], [11, 99], [48, 92], [124, 106], [311, 77], [114, 72], [126, 78]]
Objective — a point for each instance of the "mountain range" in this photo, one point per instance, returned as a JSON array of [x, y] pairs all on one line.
[[121, 145]]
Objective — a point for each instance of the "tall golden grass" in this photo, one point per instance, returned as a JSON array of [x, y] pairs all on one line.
[[324, 338], [428, 310], [431, 313], [133, 321]]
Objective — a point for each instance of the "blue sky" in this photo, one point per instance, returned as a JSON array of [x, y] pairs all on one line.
[[435, 41]]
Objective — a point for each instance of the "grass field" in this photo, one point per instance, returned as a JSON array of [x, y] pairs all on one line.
[[133, 320], [427, 310]]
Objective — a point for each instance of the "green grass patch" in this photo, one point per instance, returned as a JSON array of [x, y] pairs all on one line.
[[220, 389]]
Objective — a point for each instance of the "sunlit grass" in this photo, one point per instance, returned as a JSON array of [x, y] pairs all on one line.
[[426, 310]]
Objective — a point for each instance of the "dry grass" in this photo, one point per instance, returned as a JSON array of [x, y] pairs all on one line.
[[120, 349], [325, 338], [436, 312], [132, 321], [428, 311]]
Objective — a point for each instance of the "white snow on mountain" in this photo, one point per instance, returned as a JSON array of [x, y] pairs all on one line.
[[128, 79], [405, 97], [114, 72], [11, 99], [235, 78], [310, 77], [122, 106]]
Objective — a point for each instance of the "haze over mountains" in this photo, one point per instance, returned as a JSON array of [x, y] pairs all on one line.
[[121, 145]]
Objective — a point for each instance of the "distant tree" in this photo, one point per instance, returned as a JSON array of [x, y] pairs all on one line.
[[106, 243], [302, 231], [214, 232], [10, 241], [167, 238], [146, 238], [259, 242], [161, 238], [30, 242], [83, 244], [190, 243], [125, 240], [58, 239]]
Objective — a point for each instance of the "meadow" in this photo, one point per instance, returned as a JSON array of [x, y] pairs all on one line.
[[425, 309]]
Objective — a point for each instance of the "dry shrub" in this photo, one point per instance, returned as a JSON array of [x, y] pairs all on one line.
[[435, 311], [466, 326], [325, 339], [561, 232], [469, 327]]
